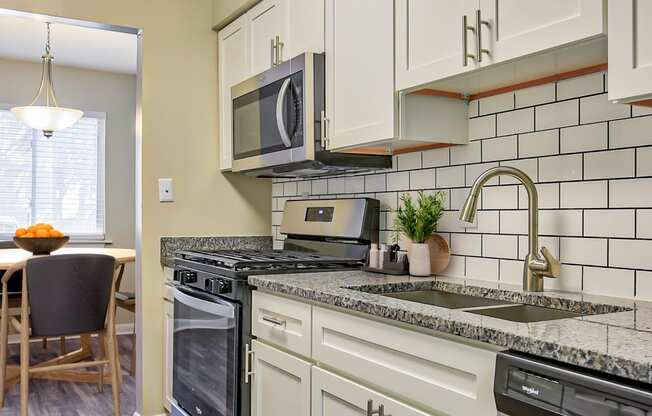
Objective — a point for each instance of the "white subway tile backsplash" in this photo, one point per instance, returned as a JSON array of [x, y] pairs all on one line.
[[632, 254], [643, 285], [540, 94], [513, 122], [584, 138], [450, 177], [592, 194], [644, 161], [482, 269], [609, 164], [500, 197], [422, 179], [630, 132], [482, 127], [473, 171], [591, 164], [398, 181], [541, 143], [579, 86], [502, 148], [500, 246], [407, 161], [560, 168], [497, 103], [590, 251], [630, 193], [470, 153], [609, 282], [609, 223], [561, 114], [375, 183], [434, 158], [466, 244], [599, 108]]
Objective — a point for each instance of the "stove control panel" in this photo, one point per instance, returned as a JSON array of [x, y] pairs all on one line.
[[217, 285], [186, 277]]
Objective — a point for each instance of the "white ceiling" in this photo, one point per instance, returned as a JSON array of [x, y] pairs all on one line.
[[24, 39]]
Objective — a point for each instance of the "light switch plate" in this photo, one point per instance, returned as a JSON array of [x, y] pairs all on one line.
[[165, 191]]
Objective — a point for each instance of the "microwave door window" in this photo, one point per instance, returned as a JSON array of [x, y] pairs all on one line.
[[256, 127]]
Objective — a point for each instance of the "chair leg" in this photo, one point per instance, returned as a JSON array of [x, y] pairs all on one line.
[[115, 368], [117, 357], [132, 363], [45, 343], [4, 330], [24, 370], [62, 345]]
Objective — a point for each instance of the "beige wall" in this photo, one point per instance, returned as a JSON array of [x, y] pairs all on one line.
[[115, 95], [226, 10], [179, 130]]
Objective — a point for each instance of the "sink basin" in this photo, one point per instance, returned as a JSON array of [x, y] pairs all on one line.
[[525, 313], [446, 299]]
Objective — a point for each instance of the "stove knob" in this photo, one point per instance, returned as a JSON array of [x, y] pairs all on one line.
[[217, 285], [187, 276], [224, 286]]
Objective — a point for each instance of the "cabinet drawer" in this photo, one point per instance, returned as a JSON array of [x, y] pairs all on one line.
[[437, 374], [281, 321]]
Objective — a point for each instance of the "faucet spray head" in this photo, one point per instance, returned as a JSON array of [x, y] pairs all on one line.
[[467, 213]]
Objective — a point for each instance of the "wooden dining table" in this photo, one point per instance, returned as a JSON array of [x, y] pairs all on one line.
[[13, 258]]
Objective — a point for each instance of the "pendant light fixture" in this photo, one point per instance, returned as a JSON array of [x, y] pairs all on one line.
[[49, 117]]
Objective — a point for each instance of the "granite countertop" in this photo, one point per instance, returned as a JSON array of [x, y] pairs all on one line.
[[617, 341], [171, 244]]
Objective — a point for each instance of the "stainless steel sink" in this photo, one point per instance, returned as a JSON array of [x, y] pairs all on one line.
[[525, 313], [446, 299]]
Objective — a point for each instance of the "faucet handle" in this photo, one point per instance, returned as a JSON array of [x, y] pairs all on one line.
[[554, 266]]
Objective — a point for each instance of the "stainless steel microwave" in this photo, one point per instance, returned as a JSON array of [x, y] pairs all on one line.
[[277, 121]]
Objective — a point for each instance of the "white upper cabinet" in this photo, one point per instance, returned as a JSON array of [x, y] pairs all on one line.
[[429, 40], [360, 104], [516, 28], [268, 34], [630, 50], [232, 62], [306, 27]]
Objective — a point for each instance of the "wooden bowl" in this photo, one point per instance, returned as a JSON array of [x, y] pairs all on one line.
[[39, 246]]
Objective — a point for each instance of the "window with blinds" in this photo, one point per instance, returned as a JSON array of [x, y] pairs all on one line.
[[59, 180]]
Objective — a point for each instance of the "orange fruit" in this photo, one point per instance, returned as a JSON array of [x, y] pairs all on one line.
[[20, 232], [29, 234], [42, 233], [56, 233]]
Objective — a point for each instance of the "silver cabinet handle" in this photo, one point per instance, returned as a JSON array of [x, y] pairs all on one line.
[[372, 412], [280, 123], [324, 132], [279, 50], [272, 51], [249, 356], [465, 29], [478, 31], [275, 321]]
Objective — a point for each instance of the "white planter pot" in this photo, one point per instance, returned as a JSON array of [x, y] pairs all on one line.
[[419, 257]]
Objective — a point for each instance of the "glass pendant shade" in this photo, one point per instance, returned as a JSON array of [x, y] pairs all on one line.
[[49, 117]]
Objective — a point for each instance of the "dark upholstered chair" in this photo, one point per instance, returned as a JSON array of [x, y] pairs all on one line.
[[68, 295]]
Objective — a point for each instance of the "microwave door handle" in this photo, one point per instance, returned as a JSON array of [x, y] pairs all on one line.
[[280, 100]]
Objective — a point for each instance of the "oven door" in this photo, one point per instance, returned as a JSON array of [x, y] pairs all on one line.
[[205, 370], [273, 116]]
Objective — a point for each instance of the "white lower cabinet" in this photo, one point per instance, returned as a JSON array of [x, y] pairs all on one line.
[[280, 383], [333, 395], [168, 335]]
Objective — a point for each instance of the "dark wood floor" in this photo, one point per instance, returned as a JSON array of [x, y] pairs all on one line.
[[57, 398]]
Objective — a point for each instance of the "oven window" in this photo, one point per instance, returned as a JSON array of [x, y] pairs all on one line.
[[256, 130], [205, 365]]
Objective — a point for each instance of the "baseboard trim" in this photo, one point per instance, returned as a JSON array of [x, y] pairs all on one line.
[[120, 329]]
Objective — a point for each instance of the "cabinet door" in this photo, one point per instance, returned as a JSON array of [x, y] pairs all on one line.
[[429, 40], [280, 384], [168, 334], [306, 28], [521, 27], [267, 20], [360, 102], [333, 395], [630, 50], [232, 62]]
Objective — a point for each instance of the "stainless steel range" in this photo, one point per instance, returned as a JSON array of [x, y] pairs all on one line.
[[212, 304]]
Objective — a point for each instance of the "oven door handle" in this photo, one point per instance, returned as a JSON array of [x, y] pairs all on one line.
[[215, 306], [280, 123]]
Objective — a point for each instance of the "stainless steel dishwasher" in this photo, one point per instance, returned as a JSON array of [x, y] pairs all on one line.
[[526, 385]]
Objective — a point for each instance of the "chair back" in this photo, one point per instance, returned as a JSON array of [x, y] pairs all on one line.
[[69, 294]]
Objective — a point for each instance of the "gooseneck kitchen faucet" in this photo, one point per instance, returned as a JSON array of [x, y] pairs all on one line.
[[537, 265]]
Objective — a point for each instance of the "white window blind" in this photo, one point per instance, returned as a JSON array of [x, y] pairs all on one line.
[[59, 180]]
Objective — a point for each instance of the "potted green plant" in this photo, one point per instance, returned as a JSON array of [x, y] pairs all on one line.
[[418, 222]]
